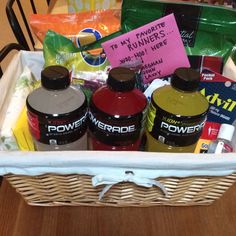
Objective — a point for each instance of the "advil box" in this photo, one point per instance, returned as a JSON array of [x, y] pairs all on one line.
[[221, 95], [218, 90]]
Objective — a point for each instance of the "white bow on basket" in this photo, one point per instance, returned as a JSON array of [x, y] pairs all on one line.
[[128, 176]]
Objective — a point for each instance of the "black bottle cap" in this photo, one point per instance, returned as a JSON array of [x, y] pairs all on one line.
[[55, 77], [121, 79], [186, 79]]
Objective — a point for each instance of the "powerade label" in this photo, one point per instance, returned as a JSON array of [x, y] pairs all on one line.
[[115, 130], [57, 129], [174, 130], [187, 19]]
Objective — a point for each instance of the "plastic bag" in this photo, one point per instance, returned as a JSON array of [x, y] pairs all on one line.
[[89, 68], [205, 29], [82, 28]]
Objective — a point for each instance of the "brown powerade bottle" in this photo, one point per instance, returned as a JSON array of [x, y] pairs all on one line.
[[57, 113], [177, 114]]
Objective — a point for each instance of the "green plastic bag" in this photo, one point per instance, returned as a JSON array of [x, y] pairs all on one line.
[[58, 49], [205, 29], [89, 68]]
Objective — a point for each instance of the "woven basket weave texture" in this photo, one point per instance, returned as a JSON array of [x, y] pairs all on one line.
[[77, 190]]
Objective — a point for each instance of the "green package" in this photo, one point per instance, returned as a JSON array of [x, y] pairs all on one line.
[[89, 68], [58, 49], [205, 29]]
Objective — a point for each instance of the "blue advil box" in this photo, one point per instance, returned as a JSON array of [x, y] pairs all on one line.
[[221, 95]]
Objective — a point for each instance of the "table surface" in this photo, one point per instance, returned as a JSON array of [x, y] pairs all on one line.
[[17, 218]]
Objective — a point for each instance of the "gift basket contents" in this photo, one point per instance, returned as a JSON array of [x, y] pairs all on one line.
[[141, 82], [158, 86]]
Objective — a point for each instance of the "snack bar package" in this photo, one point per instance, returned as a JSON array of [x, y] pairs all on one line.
[[82, 28]]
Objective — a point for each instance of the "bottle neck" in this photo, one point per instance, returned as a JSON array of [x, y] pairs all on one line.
[[55, 90], [119, 91], [183, 91]]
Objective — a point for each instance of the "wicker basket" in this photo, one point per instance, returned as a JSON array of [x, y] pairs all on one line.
[[77, 190]]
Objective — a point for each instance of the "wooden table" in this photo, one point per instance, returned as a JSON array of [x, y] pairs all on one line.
[[19, 219]]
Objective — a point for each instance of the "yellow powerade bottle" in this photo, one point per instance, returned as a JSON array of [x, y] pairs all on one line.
[[177, 114]]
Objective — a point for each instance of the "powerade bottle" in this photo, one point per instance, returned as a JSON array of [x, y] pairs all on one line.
[[177, 114], [117, 113], [57, 113]]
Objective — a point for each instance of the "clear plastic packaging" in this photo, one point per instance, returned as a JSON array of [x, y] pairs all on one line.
[[223, 143]]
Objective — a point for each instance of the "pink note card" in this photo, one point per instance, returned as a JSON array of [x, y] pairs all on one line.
[[157, 45]]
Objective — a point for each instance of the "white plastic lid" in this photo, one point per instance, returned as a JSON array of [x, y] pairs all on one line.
[[226, 132]]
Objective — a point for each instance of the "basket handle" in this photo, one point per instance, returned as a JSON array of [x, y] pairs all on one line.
[[6, 50]]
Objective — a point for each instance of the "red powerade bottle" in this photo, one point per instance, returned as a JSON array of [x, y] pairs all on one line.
[[117, 113]]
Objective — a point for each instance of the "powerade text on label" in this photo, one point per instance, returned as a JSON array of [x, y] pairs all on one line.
[[177, 114], [57, 129], [117, 113], [57, 112], [174, 130], [114, 129]]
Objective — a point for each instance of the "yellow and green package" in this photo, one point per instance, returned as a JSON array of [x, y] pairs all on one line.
[[89, 68]]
